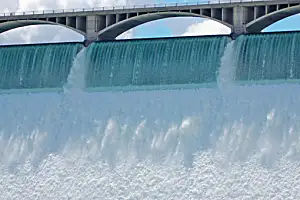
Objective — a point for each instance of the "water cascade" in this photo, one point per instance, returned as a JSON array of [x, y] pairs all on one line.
[[226, 73], [190, 60], [268, 57], [198, 143], [36, 66]]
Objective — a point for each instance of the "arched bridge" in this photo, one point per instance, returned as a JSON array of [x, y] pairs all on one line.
[[242, 16]]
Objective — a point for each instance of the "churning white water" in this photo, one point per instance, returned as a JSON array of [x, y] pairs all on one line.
[[176, 144], [226, 73]]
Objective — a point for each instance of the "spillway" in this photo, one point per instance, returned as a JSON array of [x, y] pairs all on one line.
[[235, 142], [36, 66], [170, 61], [268, 57]]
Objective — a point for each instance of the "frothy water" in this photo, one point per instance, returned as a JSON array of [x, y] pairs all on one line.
[[76, 78], [226, 75], [191, 144]]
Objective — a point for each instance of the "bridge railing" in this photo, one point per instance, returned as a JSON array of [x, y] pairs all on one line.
[[128, 7]]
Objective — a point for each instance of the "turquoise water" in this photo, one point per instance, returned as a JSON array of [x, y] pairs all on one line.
[[36, 66], [154, 62], [267, 57]]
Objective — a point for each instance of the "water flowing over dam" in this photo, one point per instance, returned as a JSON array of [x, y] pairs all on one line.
[[268, 57], [155, 62], [36, 66], [174, 132]]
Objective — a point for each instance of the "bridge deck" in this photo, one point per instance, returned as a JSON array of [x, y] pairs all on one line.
[[139, 8], [107, 23]]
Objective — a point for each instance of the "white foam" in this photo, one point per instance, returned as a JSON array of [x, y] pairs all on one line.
[[76, 77], [226, 74], [188, 144]]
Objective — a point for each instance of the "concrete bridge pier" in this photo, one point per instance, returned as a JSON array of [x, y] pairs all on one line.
[[87, 42], [90, 38], [239, 21], [94, 24]]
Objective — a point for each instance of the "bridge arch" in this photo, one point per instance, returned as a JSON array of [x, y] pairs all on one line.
[[113, 31], [263, 22], [10, 25]]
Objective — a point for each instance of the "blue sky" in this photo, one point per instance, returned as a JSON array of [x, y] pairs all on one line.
[[160, 28], [287, 24]]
